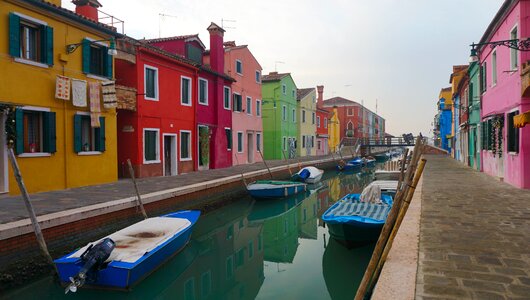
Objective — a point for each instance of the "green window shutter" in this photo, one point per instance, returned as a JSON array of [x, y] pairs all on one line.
[[49, 46], [77, 133], [100, 135], [108, 62], [14, 35], [86, 56], [49, 132], [19, 128]]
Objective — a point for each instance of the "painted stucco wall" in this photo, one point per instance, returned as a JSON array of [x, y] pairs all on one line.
[[247, 122], [334, 131], [474, 117], [307, 128], [28, 85]]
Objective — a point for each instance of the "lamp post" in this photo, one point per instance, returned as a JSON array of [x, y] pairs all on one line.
[[517, 44]]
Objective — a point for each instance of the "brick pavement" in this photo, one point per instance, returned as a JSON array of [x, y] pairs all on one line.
[[12, 208], [474, 235]]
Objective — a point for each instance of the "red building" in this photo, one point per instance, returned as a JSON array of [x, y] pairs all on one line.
[[157, 96], [322, 124], [214, 102]]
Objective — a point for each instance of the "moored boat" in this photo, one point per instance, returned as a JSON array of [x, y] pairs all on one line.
[[355, 165], [351, 220], [275, 188], [381, 157], [125, 257], [308, 175], [385, 186]]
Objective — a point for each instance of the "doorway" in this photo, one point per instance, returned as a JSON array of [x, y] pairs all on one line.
[[170, 154], [250, 147], [204, 147]]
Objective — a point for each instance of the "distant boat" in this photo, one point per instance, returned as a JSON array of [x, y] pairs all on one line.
[[351, 220], [369, 162], [275, 188], [381, 157], [355, 165], [308, 175], [125, 257]]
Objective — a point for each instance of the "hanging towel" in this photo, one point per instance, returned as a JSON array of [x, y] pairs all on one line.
[[62, 88], [95, 108], [79, 93], [108, 89]]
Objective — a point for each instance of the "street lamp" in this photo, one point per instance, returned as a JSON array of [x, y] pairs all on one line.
[[70, 48], [521, 45]]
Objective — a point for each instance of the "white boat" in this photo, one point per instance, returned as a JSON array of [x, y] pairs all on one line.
[[386, 186], [308, 175]]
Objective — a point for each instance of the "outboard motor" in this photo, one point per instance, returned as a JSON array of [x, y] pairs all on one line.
[[92, 259]]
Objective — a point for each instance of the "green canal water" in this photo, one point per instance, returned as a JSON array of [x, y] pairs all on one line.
[[273, 249]]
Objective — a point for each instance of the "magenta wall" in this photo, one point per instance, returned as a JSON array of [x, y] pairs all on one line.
[[505, 97]]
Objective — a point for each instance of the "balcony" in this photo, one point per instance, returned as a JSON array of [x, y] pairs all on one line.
[[126, 97], [525, 79]]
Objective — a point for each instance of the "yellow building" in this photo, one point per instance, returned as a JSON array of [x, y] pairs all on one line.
[[307, 128], [334, 131], [56, 144]]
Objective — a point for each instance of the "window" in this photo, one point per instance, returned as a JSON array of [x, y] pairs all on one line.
[[30, 39], [350, 111], [513, 52], [258, 141], [284, 89], [249, 105], [312, 142], [325, 122], [151, 83], [185, 91], [483, 81], [494, 68], [203, 91], [86, 137], [237, 102], [284, 113], [318, 121], [303, 141], [303, 116], [226, 98], [258, 76], [35, 131], [319, 145], [284, 144], [239, 67], [228, 133], [151, 145], [240, 142], [513, 134], [293, 94], [96, 59], [294, 115], [185, 145], [313, 118], [258, 108]]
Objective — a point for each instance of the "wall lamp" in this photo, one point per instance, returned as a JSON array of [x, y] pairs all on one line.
[[521, 45], [112, 49]]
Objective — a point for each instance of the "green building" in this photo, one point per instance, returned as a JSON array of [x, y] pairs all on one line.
[[280, 127], [474, 116]]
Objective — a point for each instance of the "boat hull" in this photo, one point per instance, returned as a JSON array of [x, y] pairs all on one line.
[[313, 180], [354, 232], [276, 191], [124, 275]]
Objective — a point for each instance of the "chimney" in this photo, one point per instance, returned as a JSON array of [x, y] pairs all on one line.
[[217, 53], [320, 99], [87, 8]]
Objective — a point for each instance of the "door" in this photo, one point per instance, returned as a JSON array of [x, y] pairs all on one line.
[[250, 147], [308, 145], [204, 147], [170, 154]]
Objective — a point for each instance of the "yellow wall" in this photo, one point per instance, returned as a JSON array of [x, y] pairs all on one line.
[[334, 131], [23, 84], [308, 128]]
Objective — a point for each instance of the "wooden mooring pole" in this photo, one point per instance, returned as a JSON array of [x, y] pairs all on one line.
[[242, 176], [29, 208], [138, 197], [265, 163], [288, 164]]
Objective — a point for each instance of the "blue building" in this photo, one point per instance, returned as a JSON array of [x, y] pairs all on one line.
[[445, 118]]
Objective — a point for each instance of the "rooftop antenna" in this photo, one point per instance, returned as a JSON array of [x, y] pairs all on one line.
[[276, 65], [160, 16], [227, 27]]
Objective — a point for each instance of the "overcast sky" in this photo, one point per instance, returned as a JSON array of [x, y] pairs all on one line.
[[399, 52]]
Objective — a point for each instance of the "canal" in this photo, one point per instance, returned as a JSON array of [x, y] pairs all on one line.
[[247, 249]]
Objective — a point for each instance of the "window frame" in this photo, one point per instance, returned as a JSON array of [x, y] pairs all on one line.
[[205, 90], [258, 141], [156, 83], [229, 139], [294, 115], [516, 134], [189, 145], [494, 67], [249, 102], [284, 89], [313, 117], [19, 58], [239, 107], [240, 133], [325, 122], [229, 107], [318, 121], [284, 145], [303, 115], [94, 42], [41, 153], [258, 108], [284, 113], [92, 133], [157, 146], [190, 87], [514, 54], [238, 61], [258, 76]]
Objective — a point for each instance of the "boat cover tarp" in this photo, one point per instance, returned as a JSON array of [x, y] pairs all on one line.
[[138, 239], [385, 185], [371, 194], [346, 209]]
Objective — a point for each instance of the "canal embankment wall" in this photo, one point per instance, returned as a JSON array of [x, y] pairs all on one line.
[[69, 228]]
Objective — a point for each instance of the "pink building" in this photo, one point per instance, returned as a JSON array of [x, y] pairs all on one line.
[[247, 126], [504, 88]]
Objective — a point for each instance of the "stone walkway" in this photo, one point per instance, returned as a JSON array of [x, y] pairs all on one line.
[[474, 235], [13, 209]]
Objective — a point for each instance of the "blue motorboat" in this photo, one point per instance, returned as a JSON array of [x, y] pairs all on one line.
[[351, 220], [125, 257], [275, 188], [308, 175], [355, 165]]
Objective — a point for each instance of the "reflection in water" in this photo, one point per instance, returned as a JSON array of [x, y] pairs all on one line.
[[251, 249]]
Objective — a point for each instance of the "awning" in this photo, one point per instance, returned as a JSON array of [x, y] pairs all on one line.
[[521, 119]]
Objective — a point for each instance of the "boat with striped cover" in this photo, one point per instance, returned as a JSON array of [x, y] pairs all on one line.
[[275, 188], [351, 220]]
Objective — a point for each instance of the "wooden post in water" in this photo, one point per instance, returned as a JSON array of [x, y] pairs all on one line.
[[389, 224], [29, 208], [264, 162], [138, 197], [288, 164], [242, 176]]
